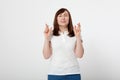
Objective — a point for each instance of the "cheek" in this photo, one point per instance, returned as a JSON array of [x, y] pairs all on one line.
[[67, 19], [58, 20]]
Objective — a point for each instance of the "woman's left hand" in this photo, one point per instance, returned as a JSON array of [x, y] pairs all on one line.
[[77, 30]]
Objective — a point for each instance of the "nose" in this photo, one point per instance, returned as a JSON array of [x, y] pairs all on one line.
[[63, 17]]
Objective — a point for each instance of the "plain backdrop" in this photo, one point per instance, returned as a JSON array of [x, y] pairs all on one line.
[[22, 23]]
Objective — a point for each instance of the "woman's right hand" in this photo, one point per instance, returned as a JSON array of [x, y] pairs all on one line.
[[47, 32]]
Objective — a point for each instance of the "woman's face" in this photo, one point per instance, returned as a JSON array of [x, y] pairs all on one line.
[[63, 19]]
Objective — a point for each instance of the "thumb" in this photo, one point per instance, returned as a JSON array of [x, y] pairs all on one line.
[[50, 30], [74, 29]]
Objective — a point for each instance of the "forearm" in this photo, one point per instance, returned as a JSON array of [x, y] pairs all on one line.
[[79, 48], [47, 51]]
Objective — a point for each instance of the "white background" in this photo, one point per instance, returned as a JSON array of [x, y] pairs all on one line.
[[22, 24]]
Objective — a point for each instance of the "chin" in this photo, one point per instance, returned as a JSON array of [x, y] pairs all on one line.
[[63, 24]]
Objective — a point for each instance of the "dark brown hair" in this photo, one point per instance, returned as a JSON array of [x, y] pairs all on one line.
[[56, 26]]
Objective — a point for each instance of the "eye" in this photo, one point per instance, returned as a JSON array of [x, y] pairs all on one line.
[[59, 15], [65, 15]]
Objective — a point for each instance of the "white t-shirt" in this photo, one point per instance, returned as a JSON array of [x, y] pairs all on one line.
[[63, 59]]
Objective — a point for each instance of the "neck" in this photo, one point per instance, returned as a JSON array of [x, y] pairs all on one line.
[[63, 28]]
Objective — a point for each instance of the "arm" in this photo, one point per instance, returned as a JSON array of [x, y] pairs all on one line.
[[78, 46], [79, 50], [47, 49]]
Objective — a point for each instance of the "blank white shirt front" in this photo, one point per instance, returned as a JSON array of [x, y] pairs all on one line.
[[63, 59]]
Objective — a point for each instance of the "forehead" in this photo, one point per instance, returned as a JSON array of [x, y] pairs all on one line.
[[65, 12]]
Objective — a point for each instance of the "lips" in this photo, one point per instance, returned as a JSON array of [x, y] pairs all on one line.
[[62, 21]]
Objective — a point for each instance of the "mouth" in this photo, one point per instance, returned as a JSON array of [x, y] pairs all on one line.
[[63, 21]]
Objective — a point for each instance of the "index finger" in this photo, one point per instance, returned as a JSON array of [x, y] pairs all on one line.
[[79, 24], [46, 28]]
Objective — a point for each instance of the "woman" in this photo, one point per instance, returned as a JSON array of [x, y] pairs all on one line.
[[63, 45]]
